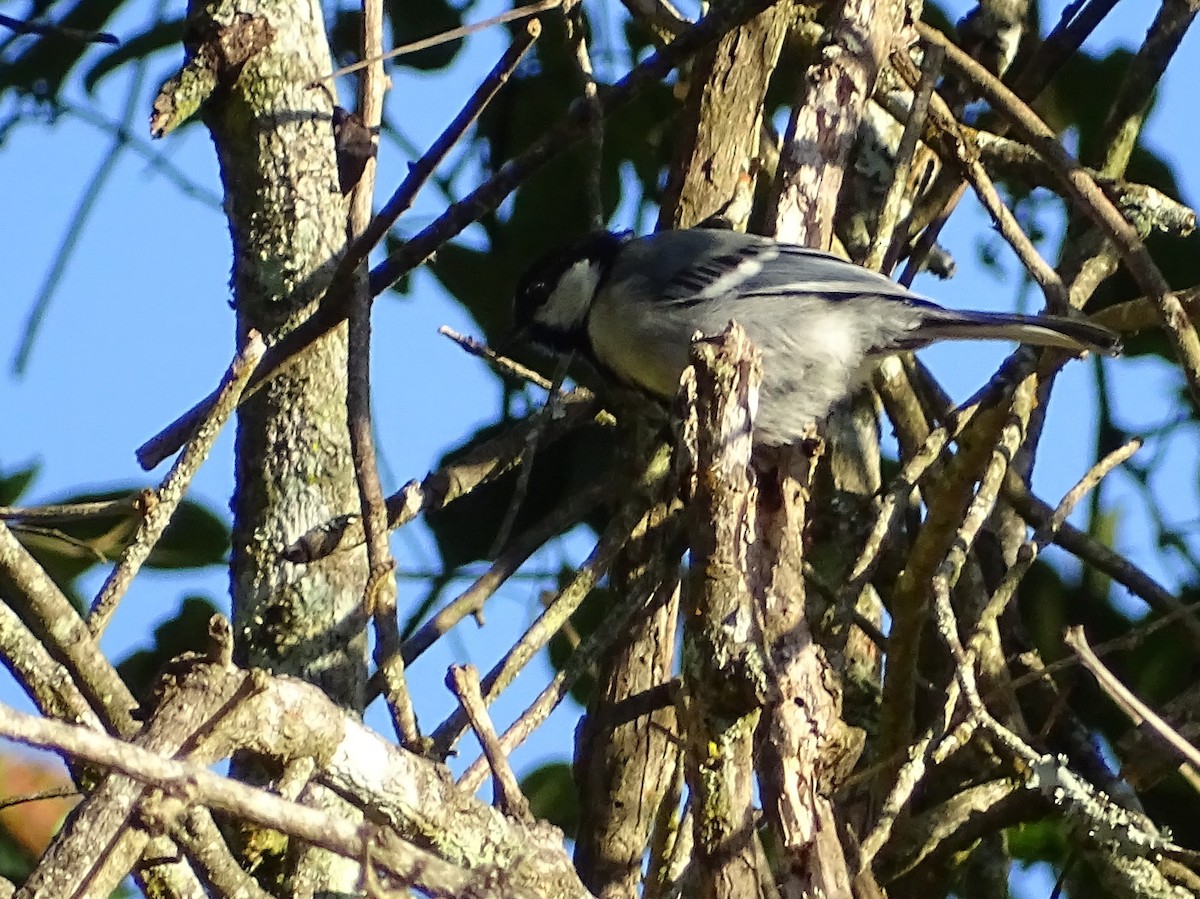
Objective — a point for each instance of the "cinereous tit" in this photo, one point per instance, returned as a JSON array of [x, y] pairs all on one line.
[[630, 305]]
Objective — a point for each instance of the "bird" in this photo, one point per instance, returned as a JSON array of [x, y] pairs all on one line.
[[631, 306]]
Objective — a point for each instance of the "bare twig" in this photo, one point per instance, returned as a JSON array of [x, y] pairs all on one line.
[[463, 680], [883, 252], [1046, 533], [52, 29], [484, 463], [379, 597], [968, 161], [471, 601], [564, 605], [48, 613], [62, 512], [161, 506], [1136, 710], [334, 306], [453, 34], [1092, 202], [582, 660], [1090, 550], [577, 40], [500, 363], [256, 806]]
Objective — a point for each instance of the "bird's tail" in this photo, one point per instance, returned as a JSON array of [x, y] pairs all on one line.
[[1072, 334]]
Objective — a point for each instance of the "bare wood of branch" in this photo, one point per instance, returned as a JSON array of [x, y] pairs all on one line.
[[541, 420], [968, 162], [723, 651], [1131, 639], [463, 680], [379, 597], [582, 660], [501, 363], [1092, 202], [943, 198], [366, 238], [883, 251], [482, 464], [471, 601], [454, 34], [197, 835], [1090, 550], [956, 512], [826, 116], [161, 505], [421, 170], [1045, 533], [246, 803], [1105, 822], [1129, 107], [53, 29], [333, 307], [52, 618], [1136, 710], [577, 42], [907, 778], [1078, 21], [45, 681], [74, 511], [1147, 208], [560, 610]]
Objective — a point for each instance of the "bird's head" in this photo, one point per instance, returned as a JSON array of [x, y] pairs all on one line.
[[554, 295]]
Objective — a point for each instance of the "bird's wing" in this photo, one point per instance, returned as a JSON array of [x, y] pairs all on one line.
[[737, 265]]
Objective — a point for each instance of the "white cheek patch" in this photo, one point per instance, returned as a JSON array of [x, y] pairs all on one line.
[[569, 302]]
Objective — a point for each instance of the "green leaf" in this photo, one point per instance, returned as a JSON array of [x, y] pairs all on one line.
[[195, 538], [552, 795], [13, 486], [416, 21]]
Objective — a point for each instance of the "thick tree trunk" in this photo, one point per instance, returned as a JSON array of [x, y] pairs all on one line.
[[287, 220]]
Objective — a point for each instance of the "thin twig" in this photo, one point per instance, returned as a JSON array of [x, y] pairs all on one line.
[[577, 41], [583, 660], [1046, 533], [500, 363], [463, 680], [421, 170], [453, 34], [334, 306], [1092, 202], [40, 796], [627, 520], [968, 161], [883, 252], [1136, 710], [1090, 550], [379, 596], [471, 601], [53, 29], [1131, 639], [541, 420], [545, 627], [161, 506], [66, 512]]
